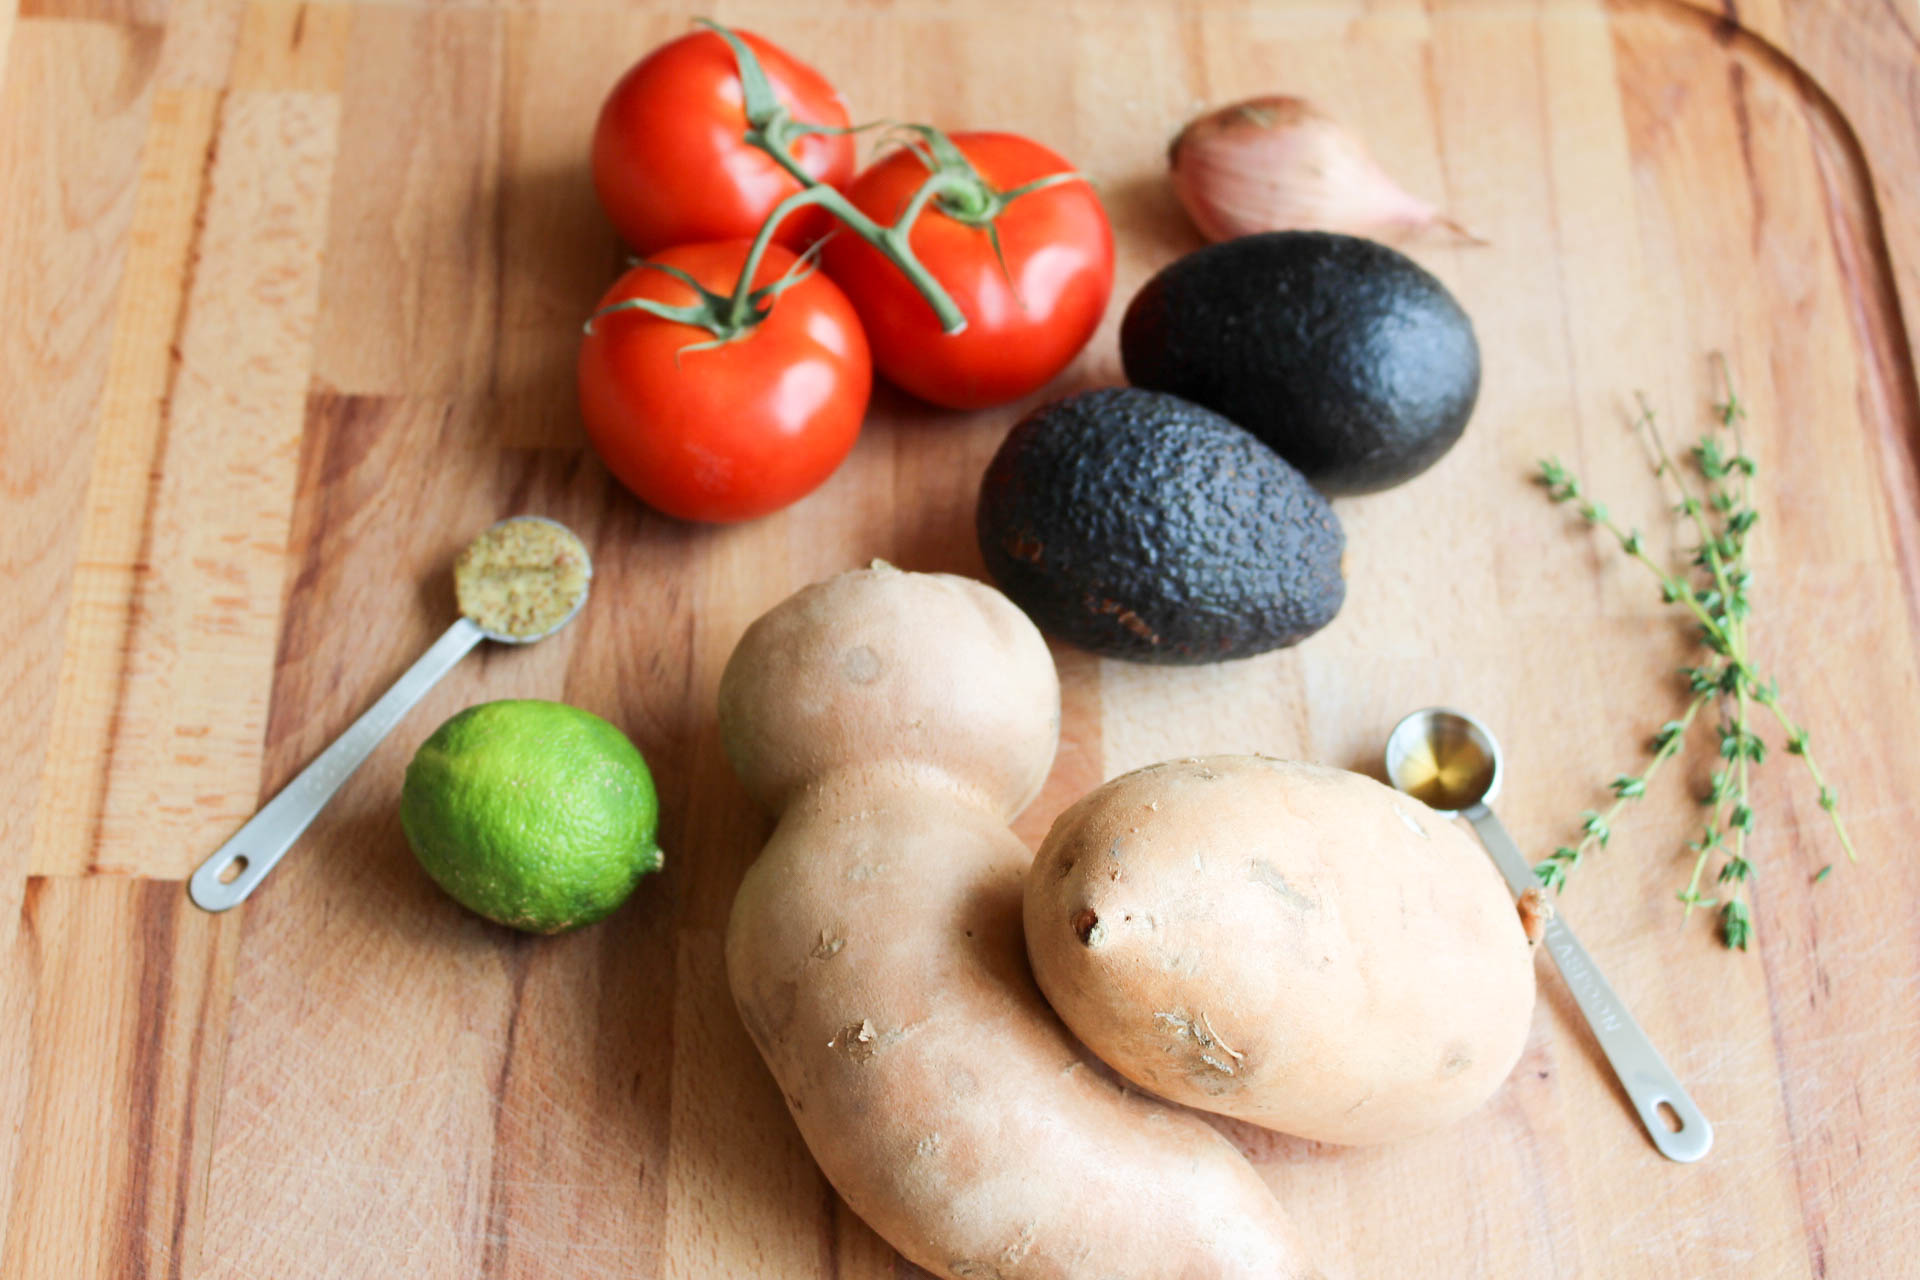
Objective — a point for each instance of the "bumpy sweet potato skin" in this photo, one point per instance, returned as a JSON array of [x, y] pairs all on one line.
[[1299, 947], [876, 957]]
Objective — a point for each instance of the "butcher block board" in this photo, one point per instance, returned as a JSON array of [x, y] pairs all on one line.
[[292, 296]]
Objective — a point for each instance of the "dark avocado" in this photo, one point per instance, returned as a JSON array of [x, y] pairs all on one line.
[[1345, 357], [1140, 526]]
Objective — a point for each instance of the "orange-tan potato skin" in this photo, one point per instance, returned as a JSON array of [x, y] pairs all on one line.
[[876, 957], [1299, 947]]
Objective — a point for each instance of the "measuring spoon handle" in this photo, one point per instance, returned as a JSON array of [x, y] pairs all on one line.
[[259, 845], [1643, 1073]]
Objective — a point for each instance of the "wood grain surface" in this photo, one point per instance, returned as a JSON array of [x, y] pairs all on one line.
[[292, 297]]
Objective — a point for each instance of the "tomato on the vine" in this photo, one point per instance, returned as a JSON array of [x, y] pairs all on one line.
[[731, 426], [1029, 308], [670, 157]]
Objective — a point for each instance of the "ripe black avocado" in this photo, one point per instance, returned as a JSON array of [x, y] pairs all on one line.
[[1140, 526], [1347, 358]]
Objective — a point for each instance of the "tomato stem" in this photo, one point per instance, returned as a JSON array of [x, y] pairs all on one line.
[[740, 311], [728, 316], [771, 128], [952, 182], [890, 241]]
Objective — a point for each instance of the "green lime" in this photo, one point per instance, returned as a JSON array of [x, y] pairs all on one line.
[[534, 814]]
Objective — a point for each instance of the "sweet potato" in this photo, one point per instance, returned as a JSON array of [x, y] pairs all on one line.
[[895, 722], [1299, 947]]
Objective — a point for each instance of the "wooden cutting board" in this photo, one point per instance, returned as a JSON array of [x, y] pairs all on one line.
[[292, 294]]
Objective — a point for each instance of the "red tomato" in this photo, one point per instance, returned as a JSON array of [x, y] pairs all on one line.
[[669, 160], [1024, 322], [732, 431]]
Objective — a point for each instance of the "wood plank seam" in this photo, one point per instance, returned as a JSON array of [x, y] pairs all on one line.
[[189, 740], [117, 518]]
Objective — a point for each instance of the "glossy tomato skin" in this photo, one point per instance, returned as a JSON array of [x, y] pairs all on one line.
[[668, 159], [1019, 334], [735, 431]]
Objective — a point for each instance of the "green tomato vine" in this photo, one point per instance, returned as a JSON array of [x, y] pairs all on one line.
[[952, 183]]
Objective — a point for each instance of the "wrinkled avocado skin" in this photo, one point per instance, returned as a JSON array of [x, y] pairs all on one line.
[[1140, 526], [1344, 356]]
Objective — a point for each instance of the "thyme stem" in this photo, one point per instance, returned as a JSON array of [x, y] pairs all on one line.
[[1722, 516]]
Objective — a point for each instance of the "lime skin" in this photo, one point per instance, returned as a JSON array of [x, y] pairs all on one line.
[[534, 814]]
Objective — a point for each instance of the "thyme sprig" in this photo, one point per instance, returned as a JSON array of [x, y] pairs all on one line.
[[1715, 588]]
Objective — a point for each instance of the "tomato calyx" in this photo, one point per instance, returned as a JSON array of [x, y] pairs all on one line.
[[727, 316], [968, 197]]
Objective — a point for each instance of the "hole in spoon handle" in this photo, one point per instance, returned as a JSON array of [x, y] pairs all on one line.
[[224, 880]]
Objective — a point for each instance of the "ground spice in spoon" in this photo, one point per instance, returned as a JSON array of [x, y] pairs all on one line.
[[522, 577]]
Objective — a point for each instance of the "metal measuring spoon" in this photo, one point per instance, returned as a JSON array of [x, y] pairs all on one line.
[[238, 866], [1450, 761]]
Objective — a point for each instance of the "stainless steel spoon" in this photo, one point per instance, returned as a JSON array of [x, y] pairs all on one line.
[[1451, 762], [238, 866]]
